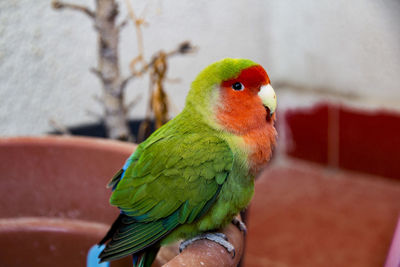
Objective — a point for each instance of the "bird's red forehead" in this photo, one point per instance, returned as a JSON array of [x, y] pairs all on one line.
[[251, 77], [240, 111]]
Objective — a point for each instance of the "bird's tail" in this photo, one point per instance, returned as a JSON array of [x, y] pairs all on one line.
[[142, 258], [114, 227], [146, 257]]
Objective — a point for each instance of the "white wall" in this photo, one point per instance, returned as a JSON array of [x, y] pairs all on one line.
[[350, 49], [333, 47]]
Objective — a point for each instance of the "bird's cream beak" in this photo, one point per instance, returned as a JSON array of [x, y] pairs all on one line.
[[268, 98]]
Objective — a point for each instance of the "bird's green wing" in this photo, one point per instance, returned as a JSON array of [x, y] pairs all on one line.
[[171, 180]]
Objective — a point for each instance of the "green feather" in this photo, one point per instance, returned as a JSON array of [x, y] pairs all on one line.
[[188, 177], [220, 178]]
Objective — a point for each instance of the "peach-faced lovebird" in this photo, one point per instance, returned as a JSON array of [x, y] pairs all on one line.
[[194, 174]]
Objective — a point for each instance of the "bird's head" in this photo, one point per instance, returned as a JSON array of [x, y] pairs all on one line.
[[235, 94]]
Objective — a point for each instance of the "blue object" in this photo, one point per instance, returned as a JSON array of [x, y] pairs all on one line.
[[121, 176], [126, 165], [93, 257]]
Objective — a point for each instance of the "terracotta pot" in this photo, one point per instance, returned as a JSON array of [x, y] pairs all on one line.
[[305, 215], [54, 204], [53, 194]]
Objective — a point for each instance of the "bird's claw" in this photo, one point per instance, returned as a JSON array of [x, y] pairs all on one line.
[[222, 235], [240, 225], [218, 238]]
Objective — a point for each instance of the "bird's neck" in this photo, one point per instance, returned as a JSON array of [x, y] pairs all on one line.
[[252, 144], [259, 143]]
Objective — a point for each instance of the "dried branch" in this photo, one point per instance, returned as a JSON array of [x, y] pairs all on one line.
[[125, 81], [133, 103], [159, 102], [123, 23], [60, 5], [138, 22], [183, 48], [99, 74], [113, 85]]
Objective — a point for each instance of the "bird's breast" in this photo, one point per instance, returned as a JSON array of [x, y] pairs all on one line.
[[259, 143]]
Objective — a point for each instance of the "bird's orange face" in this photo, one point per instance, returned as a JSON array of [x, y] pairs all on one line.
[[241, 107]]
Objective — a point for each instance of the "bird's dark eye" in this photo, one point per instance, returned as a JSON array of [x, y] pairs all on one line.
[[237, 86]]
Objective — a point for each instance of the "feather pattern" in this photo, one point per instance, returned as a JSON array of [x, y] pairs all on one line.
[[195, 173], [182, 189]]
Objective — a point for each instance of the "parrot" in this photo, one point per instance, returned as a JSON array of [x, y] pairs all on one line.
[[194, 174]]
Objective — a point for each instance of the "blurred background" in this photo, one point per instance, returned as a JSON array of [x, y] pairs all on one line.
[[335, 66], [311, 50]]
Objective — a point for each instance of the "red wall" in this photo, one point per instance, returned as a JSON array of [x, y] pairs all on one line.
[[343, 137]]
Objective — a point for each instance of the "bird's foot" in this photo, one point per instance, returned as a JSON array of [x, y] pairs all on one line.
[[218, 238], [239, 224]]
